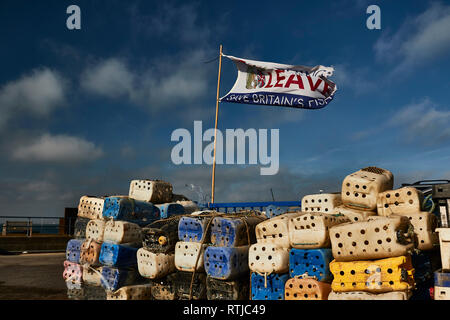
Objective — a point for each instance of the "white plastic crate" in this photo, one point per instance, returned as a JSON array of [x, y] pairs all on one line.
[[95, 230], [154, 191], [268, 258], [424, 227], [122, 232], [155, 265], [355, 215], [275, 230], [361, 188], [186, 254], [376, 238], [323, 202], [400, 201], [92, 276], [444, 241], [311, 230], [91, 207]]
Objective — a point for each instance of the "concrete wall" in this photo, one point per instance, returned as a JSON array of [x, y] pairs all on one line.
[[35, 243]]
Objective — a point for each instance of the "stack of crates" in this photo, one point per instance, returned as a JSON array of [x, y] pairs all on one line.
[[226, 260], [310, 255], [441, 193], [372, 254]]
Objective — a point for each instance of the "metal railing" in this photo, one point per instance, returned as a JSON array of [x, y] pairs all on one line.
[[234, 206], [27, 225]]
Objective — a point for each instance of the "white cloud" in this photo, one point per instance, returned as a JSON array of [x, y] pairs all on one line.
[[37, 93], [57, 148], [419, 40]]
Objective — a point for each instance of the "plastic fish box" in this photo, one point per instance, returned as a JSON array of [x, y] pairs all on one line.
[[314, 262], [118, 255], [155, 191], [274, 211], [228, 290], [95, 230], [114, 278], [164, 288], [127, 209], [155, 265], [90, 252], [73, 250], [275, 230], [323, 202], [268, 258], [182, 281], [73, 272], [170, 209], [233, 232], [444, 240], [226, 263], [424, 224], [161, 236], [91, 207], [92, 276], [306, 289], [354, 215], [399, 201], [80, 228], [271, 288], [122, 232], [194, 229], [135, 292], [189, 256]]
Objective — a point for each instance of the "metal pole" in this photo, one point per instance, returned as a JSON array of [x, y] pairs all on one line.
[[215, 127]]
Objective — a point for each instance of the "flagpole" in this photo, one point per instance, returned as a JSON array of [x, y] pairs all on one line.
[[215, 127]]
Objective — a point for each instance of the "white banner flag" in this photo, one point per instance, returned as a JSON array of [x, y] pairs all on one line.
[[275, 84]]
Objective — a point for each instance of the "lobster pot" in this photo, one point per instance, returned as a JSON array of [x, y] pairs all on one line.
[[94, 292], [225, 263], [95, 230], [354, 215], [306, 289], [361, 188], [313, 262], [194, 229], [275, 230], [441, 285], [122, 232], [73, 274], [161, 236], [311, 230], [189, 206], [73, 250], [90, 252], [80, 228], [92, 276], [186, 255], [232, 232], [270, 287], [114, 278], [361, 295], [274, 211], [227, 290], [376, 238], [118, 255], [385, 275], [155, 265], [444, 240], [400, 201], [76, 294], [268, 258], [424, 227], [182, 281], [136, 292], [164, 289], [155, 191], [170, 209], [323, 202], [128, 209], [91, 207]]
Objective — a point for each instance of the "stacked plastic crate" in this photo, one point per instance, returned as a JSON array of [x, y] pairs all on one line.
[[310, 255], [268, 258], [226, 260], [441, 193], [372, 254]]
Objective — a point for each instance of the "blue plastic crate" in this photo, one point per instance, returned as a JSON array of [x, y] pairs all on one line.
[[170, 209], [73, 250], [232, 232], [193, 229], [115, 278], [273, 211], [226, 263], [442, 279], [313, 261], [274, 289], [118, 255], [128, 209]]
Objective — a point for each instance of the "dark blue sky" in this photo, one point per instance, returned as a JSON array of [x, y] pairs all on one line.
[[85, 111]]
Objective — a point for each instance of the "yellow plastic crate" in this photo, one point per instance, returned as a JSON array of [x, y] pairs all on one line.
[[377, 276]]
